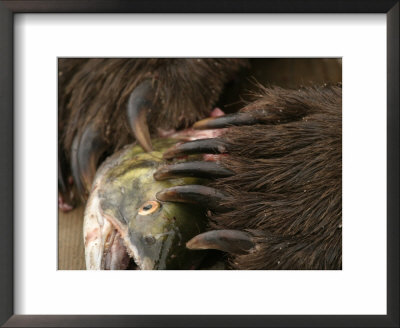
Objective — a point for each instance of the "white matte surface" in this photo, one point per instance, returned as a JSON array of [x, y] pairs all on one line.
[[360, 288]]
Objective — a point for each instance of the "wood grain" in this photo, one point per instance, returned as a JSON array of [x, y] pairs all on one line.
[[71, 253], [284, 72]]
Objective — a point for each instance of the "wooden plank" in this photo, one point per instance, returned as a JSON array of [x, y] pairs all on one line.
[[71, 253]]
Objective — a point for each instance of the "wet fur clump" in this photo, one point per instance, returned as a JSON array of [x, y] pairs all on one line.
[[287, 190], [93, 95], [97, 92]]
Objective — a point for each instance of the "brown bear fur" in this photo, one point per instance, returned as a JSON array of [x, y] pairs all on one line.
[[94, 92], [287, 190]]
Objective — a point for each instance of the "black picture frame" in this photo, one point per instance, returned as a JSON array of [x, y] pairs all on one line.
[[7, 11]]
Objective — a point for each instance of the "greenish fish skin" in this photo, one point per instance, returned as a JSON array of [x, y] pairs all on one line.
[[123, 184]]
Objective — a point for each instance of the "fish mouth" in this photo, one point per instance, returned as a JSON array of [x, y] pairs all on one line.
[[107, 243], [107, 240]]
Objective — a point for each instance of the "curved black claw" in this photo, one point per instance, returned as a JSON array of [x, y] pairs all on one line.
[[201, 146], [85, 155], [140, 103], [208, 170], [75, 169], [231, 241], [195, 194], [237, 119]]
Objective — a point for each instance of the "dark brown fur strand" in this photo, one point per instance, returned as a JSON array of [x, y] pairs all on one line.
[[66, 70], [287, 189], [186, 90], [94, 92]]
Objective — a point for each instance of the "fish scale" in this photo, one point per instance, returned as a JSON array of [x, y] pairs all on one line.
[[123, 185]]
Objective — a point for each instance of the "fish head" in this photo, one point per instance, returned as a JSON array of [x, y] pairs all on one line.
[[124, 220]]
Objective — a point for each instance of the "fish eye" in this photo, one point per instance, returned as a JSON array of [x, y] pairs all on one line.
[[149, 207], [149, 240]]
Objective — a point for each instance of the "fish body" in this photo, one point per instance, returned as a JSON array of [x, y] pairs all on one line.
[[123, 219]]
